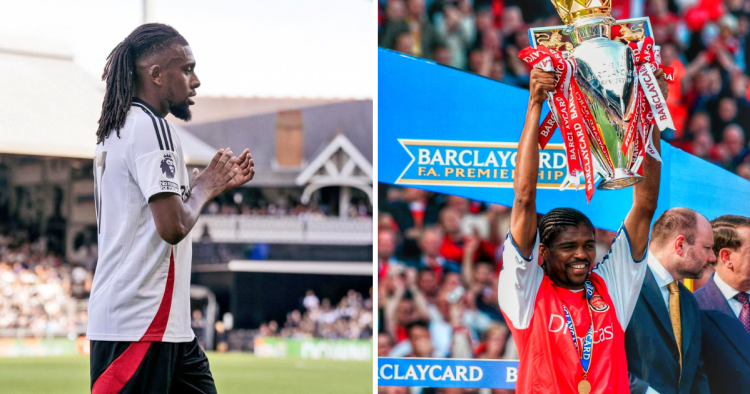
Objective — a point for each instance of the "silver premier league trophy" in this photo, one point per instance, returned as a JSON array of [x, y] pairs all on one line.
[[606, 99]]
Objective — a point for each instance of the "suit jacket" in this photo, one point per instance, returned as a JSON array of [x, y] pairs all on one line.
[[653, 357], [726, 344]]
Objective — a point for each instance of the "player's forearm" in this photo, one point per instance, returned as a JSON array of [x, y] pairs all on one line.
[[175, 218], [645, 198], [194, 205], [523, 214], [646, 193]]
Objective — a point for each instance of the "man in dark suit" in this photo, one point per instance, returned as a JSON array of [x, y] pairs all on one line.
[[725, 311], [663, 341]]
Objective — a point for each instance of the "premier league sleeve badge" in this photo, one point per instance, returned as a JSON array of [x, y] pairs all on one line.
[[168, 166]]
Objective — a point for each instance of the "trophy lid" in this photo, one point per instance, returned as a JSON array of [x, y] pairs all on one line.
[[571, 10]]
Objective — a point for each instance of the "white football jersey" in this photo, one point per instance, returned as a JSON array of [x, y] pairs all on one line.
[[141, 289]]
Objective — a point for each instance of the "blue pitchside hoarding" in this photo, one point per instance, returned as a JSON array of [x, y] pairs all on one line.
[[435, 372]]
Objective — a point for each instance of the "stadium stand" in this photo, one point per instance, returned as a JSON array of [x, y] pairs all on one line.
[[350, 318]]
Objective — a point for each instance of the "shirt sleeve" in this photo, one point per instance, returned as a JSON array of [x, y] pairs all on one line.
[[623, 275], [518, 283], [154, 163]]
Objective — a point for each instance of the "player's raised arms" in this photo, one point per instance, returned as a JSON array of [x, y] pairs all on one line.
[[523, 222]]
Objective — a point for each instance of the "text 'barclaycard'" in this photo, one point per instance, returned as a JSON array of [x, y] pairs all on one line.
[[434, 372], [476, 164]]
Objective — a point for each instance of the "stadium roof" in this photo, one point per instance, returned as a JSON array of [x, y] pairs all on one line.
[[213, 109], [322, 123], [49, 106]]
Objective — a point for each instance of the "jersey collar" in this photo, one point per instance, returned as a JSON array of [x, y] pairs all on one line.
[[148, 106]]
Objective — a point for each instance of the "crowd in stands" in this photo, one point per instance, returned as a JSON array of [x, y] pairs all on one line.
[[238, 204], [39, 293], [438, 261], [351, 318], [705, 41]]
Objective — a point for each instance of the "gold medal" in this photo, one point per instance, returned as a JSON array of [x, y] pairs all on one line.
[[584, 387]]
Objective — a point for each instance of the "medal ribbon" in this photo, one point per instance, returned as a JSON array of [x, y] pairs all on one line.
[[585, 353]]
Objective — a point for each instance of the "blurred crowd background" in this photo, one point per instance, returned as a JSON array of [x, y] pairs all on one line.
[[40, 294], [252, 202], [350, 318], [706, 41]]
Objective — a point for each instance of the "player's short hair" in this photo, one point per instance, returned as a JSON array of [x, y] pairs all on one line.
[[674, 222], [725, 232], [120, 72], [556, 220]]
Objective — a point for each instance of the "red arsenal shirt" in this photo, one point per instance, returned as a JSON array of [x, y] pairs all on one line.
[[532, 305]]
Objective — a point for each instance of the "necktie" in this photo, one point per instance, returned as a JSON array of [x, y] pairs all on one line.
[[745, 313], [674, 316]]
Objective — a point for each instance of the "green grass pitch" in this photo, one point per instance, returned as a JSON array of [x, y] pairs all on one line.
[[234, 373]]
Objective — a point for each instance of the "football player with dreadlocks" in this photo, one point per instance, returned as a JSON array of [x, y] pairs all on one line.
[[146, 205], [568, 320]]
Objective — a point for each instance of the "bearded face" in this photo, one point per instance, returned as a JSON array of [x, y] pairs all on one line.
[[180, 110]]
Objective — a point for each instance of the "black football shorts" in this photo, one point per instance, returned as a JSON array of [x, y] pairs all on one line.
[[150, 367]]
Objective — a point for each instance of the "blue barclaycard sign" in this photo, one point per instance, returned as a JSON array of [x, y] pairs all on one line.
[[476, 164], [436, 372]]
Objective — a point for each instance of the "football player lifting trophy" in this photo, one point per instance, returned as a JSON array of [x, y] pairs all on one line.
[[606, 99]]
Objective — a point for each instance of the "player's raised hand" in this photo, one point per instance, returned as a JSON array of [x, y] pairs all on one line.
[[540, 83], [245, 166], [218, 174]]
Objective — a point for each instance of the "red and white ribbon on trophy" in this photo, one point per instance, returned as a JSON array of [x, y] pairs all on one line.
[[573, 117], [647, 60], [576, 116]]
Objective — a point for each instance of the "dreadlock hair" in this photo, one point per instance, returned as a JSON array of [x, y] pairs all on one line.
[[555, 221], [120, 72]]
